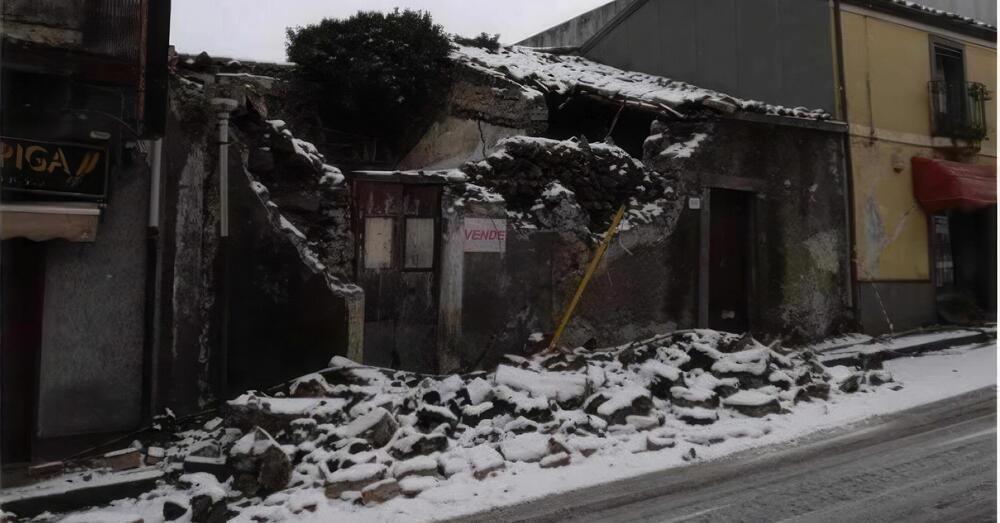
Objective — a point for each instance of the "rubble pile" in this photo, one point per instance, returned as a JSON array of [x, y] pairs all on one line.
[[365, 435], [566, 184]]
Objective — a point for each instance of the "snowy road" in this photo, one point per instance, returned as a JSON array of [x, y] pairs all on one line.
[[932, 463]]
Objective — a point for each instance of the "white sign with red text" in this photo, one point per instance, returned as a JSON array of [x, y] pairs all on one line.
[[485, 234]]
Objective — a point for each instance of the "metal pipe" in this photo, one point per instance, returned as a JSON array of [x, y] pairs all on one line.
[[154, 189], [152, 324], [223, 107]]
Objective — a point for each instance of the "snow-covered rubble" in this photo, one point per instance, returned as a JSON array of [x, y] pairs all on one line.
[[364, 435]]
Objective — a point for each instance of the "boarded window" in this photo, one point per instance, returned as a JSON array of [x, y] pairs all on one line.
[[419, 248], [378, 243]]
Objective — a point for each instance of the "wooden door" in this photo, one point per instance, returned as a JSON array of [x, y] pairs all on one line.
[[729, 260], [398, 234]]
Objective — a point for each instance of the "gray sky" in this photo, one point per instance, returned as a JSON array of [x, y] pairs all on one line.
[[255, 29]]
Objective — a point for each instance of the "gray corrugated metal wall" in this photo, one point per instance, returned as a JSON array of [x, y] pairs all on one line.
[[776, 51], [579, 29], [982, 10]]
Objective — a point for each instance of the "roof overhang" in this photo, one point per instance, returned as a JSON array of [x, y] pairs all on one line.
[[40, 221], [940, 185], [927, 16]]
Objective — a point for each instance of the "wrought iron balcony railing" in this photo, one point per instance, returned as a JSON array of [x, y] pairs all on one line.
[[958, 109]]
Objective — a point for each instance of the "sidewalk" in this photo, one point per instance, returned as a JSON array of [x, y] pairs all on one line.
[[862, 350]]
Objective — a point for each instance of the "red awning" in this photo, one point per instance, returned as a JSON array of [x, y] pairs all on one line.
[[940, 185]]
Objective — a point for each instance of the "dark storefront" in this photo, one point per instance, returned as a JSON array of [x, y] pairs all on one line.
[[83, 95]]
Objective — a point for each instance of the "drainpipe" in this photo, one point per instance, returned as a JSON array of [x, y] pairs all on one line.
[[853, 289], [151, 332], [223, 107]]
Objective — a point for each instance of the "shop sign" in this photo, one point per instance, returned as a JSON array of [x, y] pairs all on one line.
[[54, 168], [485, 234]]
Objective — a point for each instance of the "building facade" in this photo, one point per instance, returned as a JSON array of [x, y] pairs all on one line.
[[912, 82], [84, 86]]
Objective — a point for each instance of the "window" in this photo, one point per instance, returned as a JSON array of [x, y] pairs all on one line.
[[378, 243], [944, 266], [957, 107], [418, 253]]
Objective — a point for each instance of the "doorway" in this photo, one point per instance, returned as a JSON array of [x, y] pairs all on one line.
[[729, 260], [22, 276], [398, 234]]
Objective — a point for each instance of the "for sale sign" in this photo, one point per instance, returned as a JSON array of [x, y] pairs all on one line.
[[485, 234]]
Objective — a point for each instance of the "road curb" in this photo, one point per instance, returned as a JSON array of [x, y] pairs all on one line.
[[873, 359]]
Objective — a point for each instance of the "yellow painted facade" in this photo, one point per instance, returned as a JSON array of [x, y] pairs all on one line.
[[887, 66]]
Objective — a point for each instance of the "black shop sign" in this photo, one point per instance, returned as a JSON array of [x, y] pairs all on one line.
[[69, 169]]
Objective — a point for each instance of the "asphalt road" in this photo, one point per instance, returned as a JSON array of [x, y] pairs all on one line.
[[937, 462]]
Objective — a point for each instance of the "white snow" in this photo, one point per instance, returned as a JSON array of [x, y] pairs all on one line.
[[621, 399], [749, 398], [551, 385], [484, 458], [526, 447], [357, 472], [927, 378], [554, 190], [684, 149], [753, 361]]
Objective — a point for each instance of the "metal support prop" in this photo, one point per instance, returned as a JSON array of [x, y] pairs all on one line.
[[594, 262]]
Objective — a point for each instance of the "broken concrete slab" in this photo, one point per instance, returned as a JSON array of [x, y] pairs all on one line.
[[78, 491]]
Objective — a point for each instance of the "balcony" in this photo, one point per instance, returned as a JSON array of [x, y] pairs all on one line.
[[958, 109]]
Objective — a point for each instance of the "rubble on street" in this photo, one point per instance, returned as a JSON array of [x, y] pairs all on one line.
[[363, 435]]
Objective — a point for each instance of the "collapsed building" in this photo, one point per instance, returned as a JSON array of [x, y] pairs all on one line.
[[469, 245]]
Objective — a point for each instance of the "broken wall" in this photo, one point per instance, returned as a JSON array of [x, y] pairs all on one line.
[[286, 316], [482, 109], [649, 279]]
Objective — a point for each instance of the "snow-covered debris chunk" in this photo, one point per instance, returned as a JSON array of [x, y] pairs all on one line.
[[696, 397], [642, 422], [484, 461], [418, 466], [309, 386], [627, 401], [452, 463], [380, 491], [752, 361], [353, 478], [432, 416], [529, 447], [414, 485], [340, 362], [260, 463], [377, 427], [560, 459], [658, 440], [479, 391], [561, 387], [696, 415], [753, 403], [274, 414], [418, 444], [104, 516]]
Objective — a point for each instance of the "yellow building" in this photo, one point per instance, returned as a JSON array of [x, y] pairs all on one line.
[[920, 83]]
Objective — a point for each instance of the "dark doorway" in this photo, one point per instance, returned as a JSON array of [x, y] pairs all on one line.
[[397, 227], [729, 260], [973, 247], [22, 276]]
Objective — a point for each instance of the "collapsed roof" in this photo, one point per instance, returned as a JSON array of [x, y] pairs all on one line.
[[541, 73]]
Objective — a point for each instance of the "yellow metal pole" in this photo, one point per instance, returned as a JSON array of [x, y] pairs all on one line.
[[601, 248]]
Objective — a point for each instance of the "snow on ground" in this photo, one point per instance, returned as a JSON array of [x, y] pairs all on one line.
[[621, 452]]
